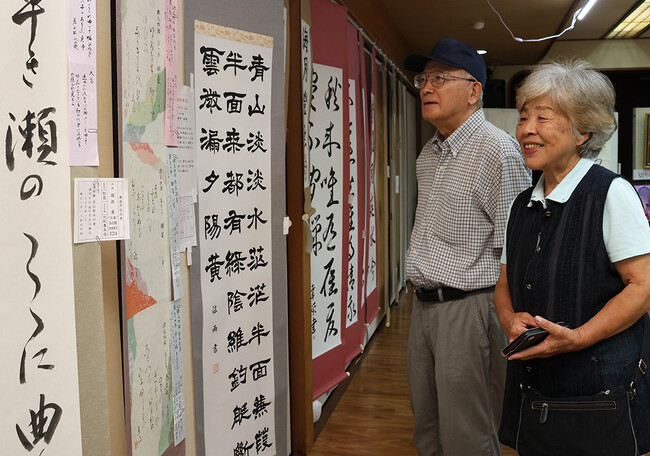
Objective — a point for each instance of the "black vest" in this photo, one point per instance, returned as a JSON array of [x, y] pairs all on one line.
[[558, 268], [558, 265]]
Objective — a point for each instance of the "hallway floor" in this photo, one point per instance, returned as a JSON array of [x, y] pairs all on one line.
[[373, 418]]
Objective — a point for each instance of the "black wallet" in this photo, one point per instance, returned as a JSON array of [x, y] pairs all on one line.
[[526, 339]]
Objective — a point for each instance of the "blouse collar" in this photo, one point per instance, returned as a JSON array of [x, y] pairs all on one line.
[[565, 188]]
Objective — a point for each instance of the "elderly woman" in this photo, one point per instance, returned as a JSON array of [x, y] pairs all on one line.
[[577, 251]]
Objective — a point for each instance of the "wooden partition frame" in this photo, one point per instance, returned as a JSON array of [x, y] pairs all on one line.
[[298, 272]]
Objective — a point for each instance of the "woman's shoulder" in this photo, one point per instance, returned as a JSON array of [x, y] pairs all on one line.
[[621, 191], [601, 171]]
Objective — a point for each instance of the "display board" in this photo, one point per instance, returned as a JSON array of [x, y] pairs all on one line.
[[394, 200], [147, 261], [408, 178], [226, 401]]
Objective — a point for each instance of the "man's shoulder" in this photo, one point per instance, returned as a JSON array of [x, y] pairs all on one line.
[[498, 137], [495, 143]]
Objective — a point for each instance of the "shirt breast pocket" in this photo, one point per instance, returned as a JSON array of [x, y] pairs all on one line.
[[450, 220]]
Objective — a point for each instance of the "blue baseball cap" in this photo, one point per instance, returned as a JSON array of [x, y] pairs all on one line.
[[451, 52]]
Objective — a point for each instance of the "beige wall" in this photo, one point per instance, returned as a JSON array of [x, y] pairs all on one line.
[[606, 54], [603, 54]]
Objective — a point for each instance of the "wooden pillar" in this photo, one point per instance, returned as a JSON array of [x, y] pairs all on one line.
[[298, 274]]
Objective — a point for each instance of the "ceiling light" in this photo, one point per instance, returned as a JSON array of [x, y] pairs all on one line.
[[585, 9], [481, 51], [633, 23]]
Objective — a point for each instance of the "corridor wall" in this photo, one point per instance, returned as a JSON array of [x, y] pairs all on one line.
[[128, 296]]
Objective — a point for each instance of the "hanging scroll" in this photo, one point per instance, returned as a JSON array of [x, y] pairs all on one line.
[[329, 187], [233, 117], [370, 252], [305, 84], [39, 378], [354, 318], [352, 303], [326, 179]]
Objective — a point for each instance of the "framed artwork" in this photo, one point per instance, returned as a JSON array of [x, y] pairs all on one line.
[[646, 141], [644, 193]]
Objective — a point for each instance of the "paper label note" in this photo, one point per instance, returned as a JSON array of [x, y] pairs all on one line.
[[101, 208]]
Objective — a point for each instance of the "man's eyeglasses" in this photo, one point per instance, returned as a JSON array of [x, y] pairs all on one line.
[[436, 80]]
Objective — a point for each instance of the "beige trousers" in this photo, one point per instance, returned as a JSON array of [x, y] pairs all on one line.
[[456, 376]]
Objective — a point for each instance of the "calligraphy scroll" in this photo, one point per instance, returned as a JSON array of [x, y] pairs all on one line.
[[326, 182], [233, 116], [39, 379], [370, 239], [329, 187], [306, 86], [354, 318]]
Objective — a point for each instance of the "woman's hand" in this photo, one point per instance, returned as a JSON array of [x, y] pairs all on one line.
[[514, 323], [560, 339]]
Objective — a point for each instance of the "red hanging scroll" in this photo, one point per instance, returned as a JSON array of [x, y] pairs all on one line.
[[354, 312], [329, 38]]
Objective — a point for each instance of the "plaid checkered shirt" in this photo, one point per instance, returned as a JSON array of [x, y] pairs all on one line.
[[466, 184]]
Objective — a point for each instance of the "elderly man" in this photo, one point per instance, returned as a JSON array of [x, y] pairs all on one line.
[[468, 174]]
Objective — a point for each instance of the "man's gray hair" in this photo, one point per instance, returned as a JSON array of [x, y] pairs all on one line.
[[584, 94]]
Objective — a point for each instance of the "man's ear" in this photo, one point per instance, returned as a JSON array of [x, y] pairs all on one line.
[[477, 88]]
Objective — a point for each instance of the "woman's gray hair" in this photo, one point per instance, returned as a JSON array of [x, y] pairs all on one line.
[[581, 92]]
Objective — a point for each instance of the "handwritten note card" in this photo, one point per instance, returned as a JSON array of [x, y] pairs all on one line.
[[171, 72], [178, 384], [186, 132], [82, 83]]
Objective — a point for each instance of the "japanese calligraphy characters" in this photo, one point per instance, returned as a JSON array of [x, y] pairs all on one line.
[[326, 185], [29, 14], [371, 233], [39, 379], [352, 303], [233, 123], [305, 83], [147, 263], [171, 73], [82, 82]]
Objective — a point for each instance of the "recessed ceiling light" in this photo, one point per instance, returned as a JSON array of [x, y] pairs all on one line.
[[633, 24], [481, 51]]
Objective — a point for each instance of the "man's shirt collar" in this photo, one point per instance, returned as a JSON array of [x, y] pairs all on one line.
[[456, 140]]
